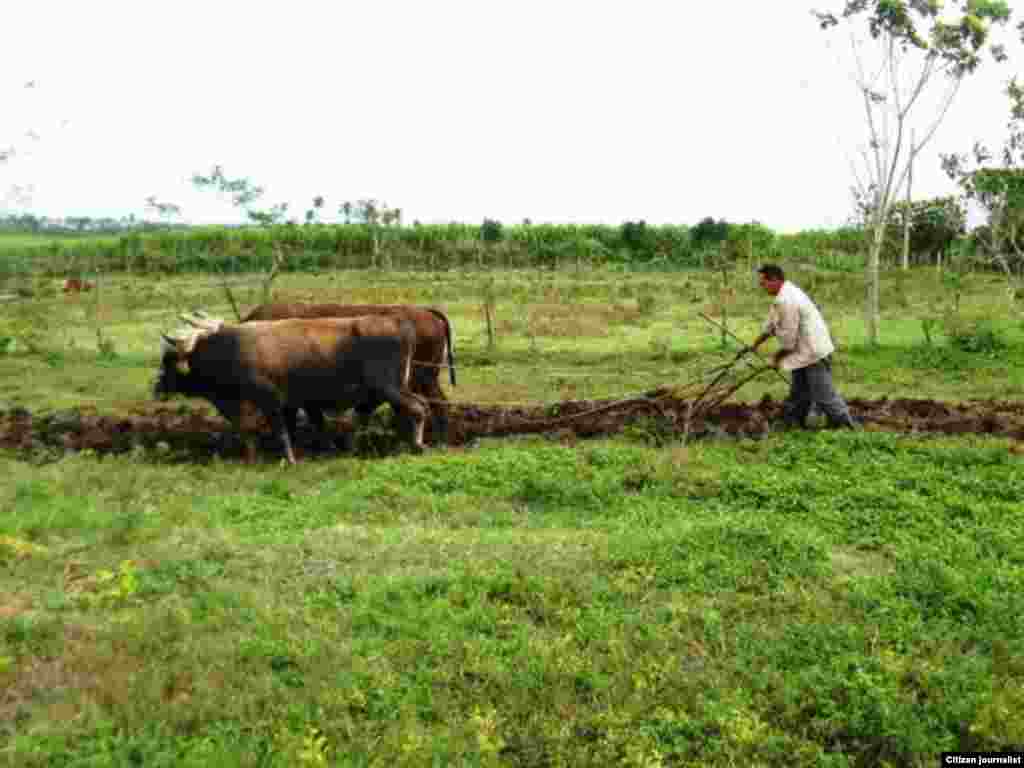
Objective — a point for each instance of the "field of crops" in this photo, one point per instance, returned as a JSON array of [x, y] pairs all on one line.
[[543, 590], [422, 247]]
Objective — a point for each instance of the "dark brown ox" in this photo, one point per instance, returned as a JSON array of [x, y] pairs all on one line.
[[278, 367], [433, 346]]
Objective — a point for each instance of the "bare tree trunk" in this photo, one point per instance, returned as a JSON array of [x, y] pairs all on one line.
[[230, 294], [906, 216], [101, 343], [489, 304], [871, 312], [906, 236], [751, 262]]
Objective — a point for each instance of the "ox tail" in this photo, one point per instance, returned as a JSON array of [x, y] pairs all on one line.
[[448, 340]]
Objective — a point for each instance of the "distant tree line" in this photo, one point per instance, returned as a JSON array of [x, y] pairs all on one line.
[[376, 231], [28, 223]]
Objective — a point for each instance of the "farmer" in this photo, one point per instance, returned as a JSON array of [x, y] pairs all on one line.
[[805, 349]]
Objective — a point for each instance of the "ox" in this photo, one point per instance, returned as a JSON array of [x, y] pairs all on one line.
[[433, 345], [278, 367]]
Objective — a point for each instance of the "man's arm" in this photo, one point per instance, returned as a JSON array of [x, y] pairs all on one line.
[[787, 328], [769, 329], [761, 340], [779, 356]]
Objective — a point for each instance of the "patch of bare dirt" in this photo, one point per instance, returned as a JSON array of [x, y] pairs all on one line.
[[13, 606], [188, 433]]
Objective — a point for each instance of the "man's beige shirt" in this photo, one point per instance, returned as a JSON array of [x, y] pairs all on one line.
[[798, 325]]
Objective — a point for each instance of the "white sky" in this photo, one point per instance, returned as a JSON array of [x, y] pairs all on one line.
[[556, 110]]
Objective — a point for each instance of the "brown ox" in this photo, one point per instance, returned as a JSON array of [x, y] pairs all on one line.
[[277, 367], [433, 346]]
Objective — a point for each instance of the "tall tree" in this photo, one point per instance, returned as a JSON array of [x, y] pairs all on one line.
[[376, 215], [707, 232], [313, 213], [998, 188], [244, 194], [913, 49], [166, 211]]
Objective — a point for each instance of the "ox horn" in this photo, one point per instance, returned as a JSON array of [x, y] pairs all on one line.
[[183, 340], [181, 343], [203, 321]]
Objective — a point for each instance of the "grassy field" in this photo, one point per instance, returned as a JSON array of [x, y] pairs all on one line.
[[21, 240], [558, 335], [813, 598]]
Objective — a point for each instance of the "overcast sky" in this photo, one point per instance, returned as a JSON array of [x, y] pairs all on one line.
[[559, 110]]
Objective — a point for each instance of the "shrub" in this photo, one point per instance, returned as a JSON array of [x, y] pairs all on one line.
[[975, 336], [491, 231]]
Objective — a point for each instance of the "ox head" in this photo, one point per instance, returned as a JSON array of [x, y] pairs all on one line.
[[176, 351]]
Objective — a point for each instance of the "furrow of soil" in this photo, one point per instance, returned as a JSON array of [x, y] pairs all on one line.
[[188, 432]]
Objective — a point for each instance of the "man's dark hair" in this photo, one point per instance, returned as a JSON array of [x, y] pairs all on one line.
[[772, 271]]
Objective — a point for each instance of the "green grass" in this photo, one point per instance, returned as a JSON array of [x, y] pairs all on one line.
[[523, 604], [559, 336], [26, 240], [23, 240], [806, 599]]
